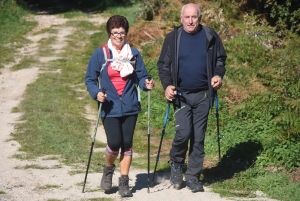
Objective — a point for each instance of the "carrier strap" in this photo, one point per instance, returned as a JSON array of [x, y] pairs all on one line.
[[108, 59]]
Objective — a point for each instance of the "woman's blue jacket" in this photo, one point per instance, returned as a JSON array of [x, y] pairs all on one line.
[[115, 105]]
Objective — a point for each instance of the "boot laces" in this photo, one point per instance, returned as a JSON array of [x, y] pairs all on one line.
[[178, 167], [109, 172], [124, 181]]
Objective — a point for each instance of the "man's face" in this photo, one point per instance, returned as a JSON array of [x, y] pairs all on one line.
[[190, 19]]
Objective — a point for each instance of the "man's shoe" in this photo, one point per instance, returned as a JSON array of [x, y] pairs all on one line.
[[106, 181], [124, 190], [194, 185], [176, 175]]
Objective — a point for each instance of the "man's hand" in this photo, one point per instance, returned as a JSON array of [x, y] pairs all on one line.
[[170, 93], [216, 82]]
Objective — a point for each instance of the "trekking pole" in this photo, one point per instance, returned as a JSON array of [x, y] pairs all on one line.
[[149, 78], [218, 131], [93, 141], [162, 135]]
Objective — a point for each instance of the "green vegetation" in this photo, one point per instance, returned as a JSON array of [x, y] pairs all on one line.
[[53, 109], [91, 199], [32, 166], [13, 27], [258, 105], [100, 199], [48, 186], [129, 12]]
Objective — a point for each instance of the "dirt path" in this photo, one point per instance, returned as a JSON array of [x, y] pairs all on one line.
[[21, 184]]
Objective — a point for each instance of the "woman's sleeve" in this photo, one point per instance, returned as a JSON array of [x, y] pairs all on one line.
[[93, 72], [141, 71]]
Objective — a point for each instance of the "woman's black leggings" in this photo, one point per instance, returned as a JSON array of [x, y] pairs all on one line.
[[119, 133]]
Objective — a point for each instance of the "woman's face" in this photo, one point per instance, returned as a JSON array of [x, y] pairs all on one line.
[[118, 36]]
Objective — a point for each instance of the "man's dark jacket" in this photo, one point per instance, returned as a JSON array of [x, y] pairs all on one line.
[[168, 60]]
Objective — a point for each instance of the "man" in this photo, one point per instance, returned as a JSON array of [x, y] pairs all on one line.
[[191, 67]]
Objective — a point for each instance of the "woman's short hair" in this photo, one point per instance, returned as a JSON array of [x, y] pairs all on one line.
[[117, 21]]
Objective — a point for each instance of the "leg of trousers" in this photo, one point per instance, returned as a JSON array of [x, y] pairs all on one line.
[[119, 132], [190, 124]]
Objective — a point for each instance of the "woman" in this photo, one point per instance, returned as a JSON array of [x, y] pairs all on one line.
[[120, 105]]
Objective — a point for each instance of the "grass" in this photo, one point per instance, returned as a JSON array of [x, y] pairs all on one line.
[[72, 14], [47, 117], [244, 184], [100, 199], [32, 166], [129, 12], [27, 62], [53, 107], [13, 27], [48, 186], [54, 200], [45, 48], [246, 107]]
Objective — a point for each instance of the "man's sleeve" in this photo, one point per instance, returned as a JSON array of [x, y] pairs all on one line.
[[164, 64], [221, 59]]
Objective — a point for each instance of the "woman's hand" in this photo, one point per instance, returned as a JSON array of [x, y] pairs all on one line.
[[101, 97], [149, 83]]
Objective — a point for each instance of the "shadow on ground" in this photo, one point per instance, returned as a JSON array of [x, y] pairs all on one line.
[[142, 180], [237, 159]]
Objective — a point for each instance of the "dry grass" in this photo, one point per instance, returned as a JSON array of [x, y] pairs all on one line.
[[295, 175], [145, 31]]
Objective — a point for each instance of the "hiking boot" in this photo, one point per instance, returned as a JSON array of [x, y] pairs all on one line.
[[124, 186], [106, 180], [194, 185], [176, 175]]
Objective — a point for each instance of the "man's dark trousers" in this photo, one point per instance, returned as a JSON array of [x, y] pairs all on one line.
[[190, 124]]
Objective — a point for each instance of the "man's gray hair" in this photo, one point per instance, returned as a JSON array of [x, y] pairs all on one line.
[[198, 9]]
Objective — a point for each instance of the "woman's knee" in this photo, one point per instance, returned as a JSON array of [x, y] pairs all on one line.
[[127, 152], [112, 150]]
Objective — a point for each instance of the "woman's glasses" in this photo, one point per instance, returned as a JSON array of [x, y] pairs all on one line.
[[115, 34]]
